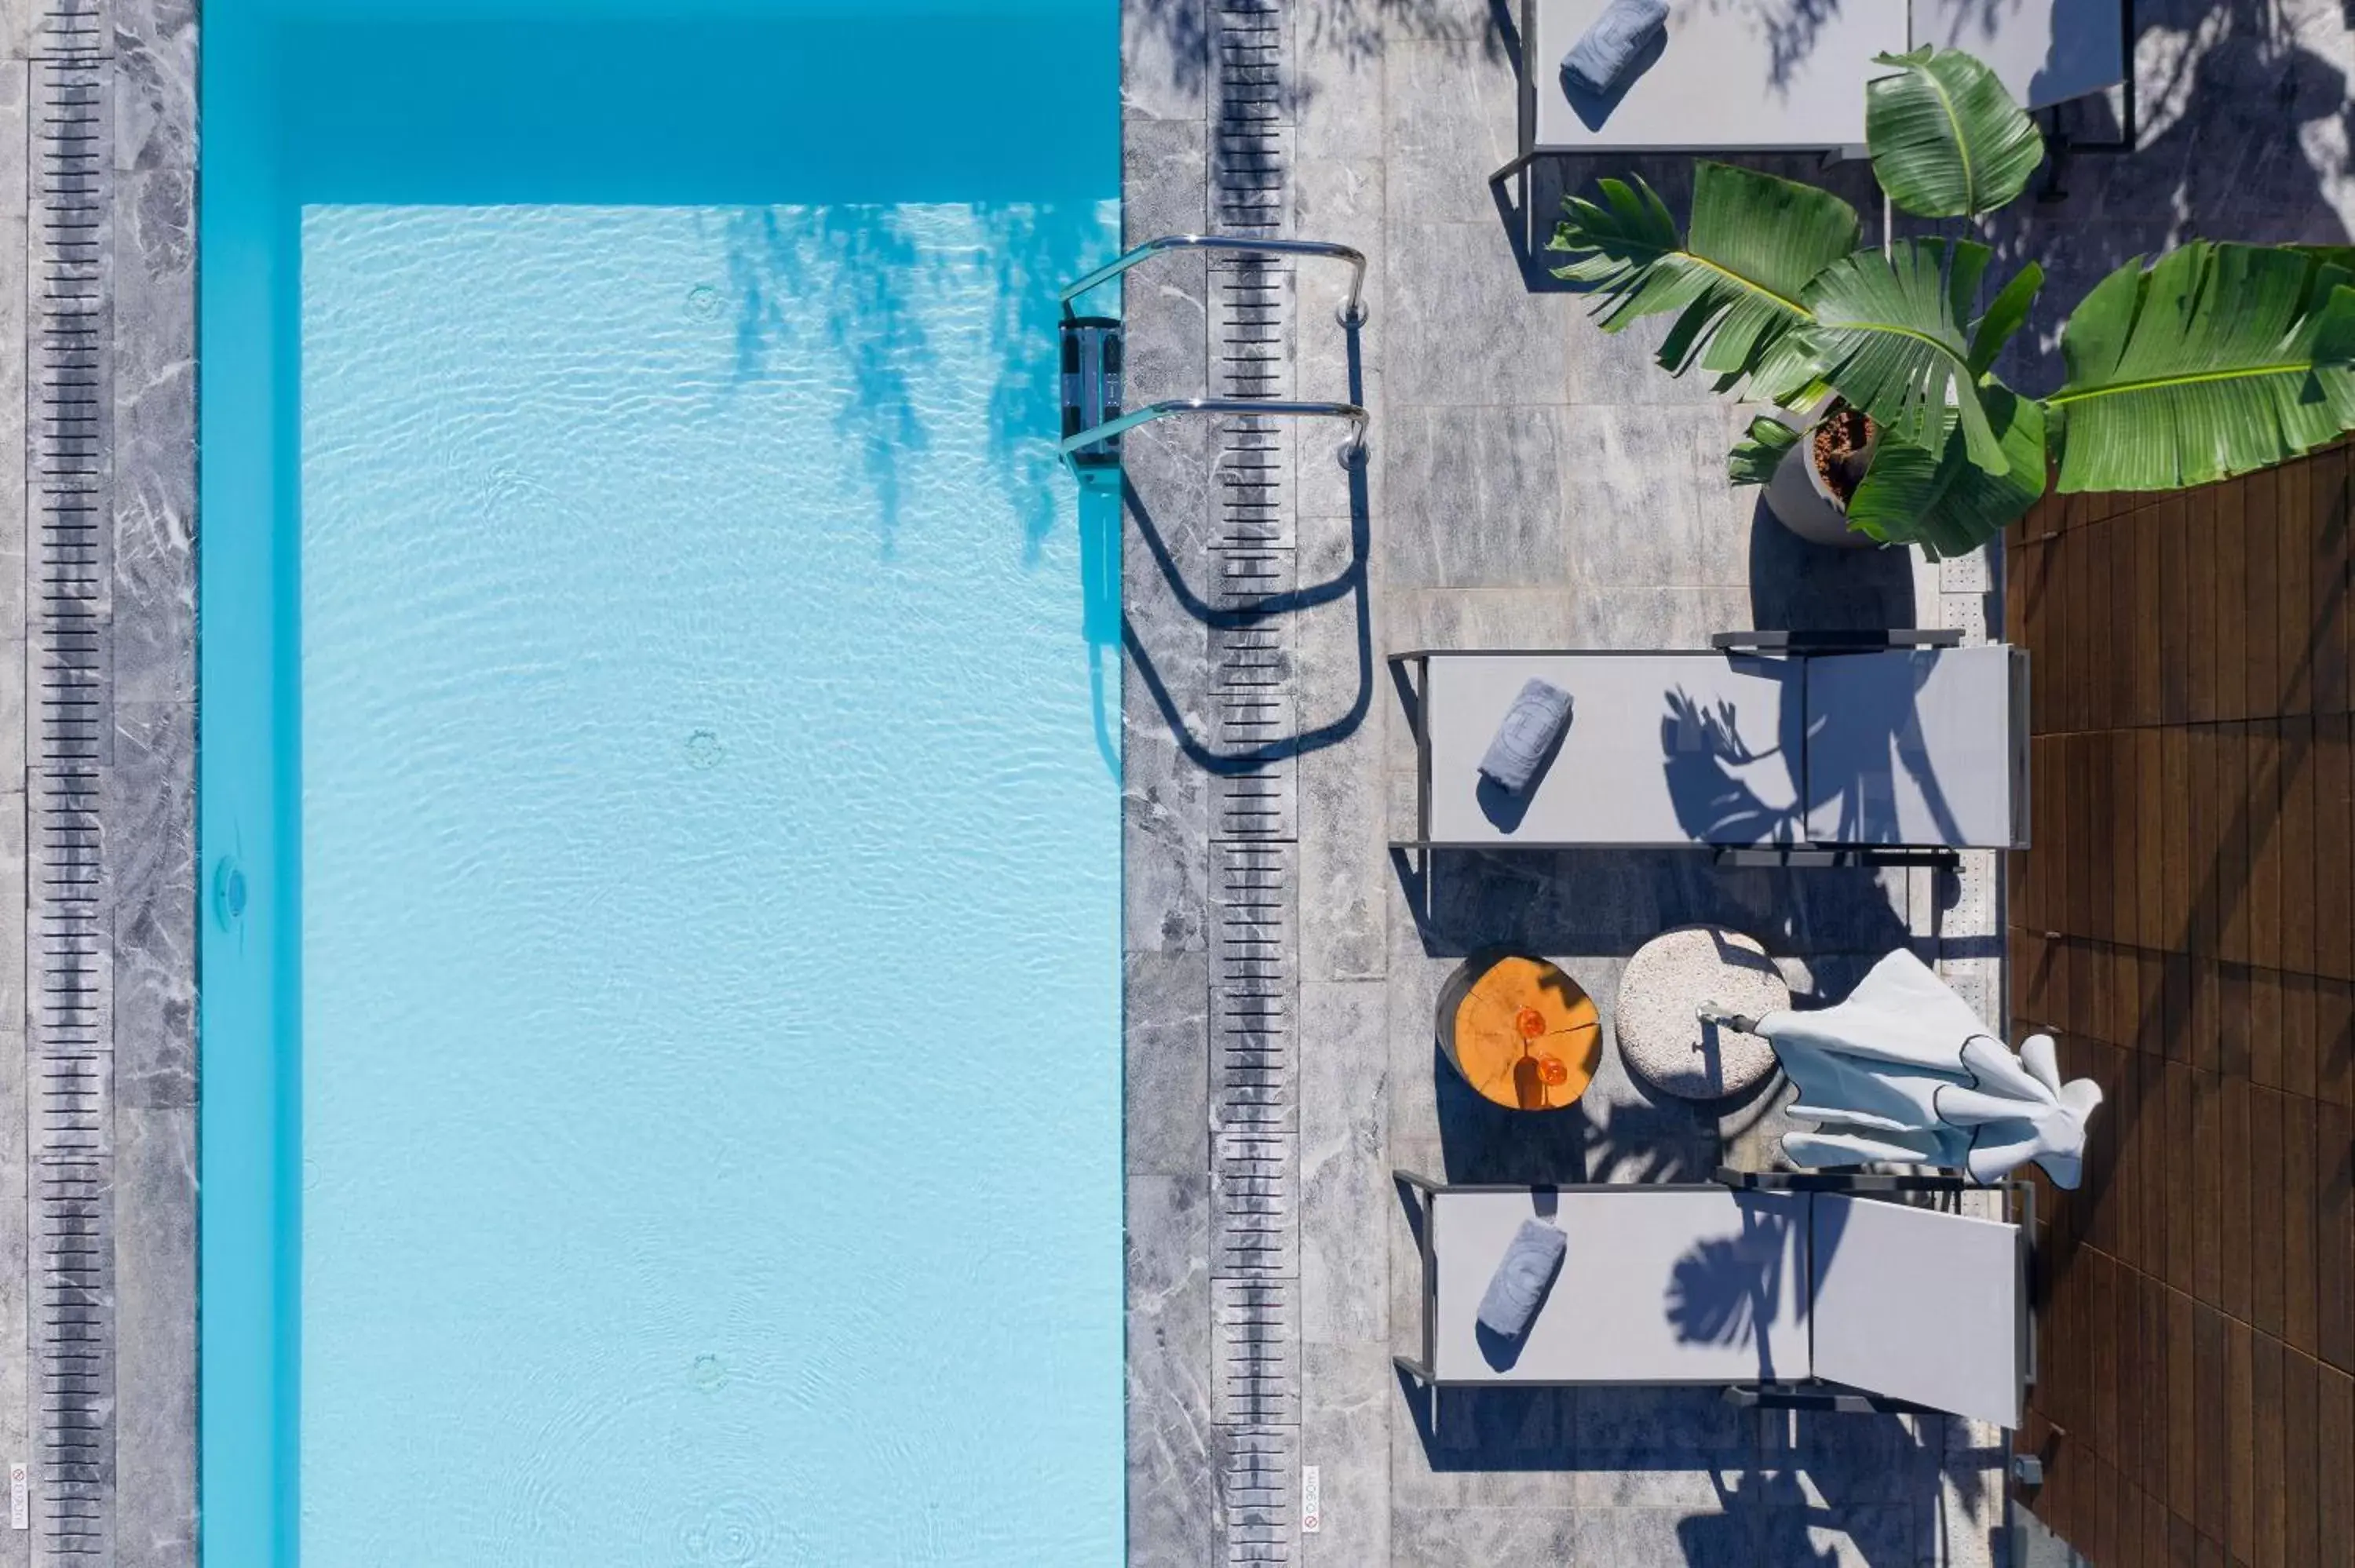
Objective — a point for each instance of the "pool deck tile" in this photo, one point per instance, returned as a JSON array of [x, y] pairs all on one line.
[[16, 1275], [141, 53], [1618, 536], [1536, 481]]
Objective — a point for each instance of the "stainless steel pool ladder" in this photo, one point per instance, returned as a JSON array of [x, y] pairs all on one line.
[[1103, 434]]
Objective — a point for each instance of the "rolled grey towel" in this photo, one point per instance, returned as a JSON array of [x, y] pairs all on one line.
[[1532, 725], [1607, 51], [1518, 1286]]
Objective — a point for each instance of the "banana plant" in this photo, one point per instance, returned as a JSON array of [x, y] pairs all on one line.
[[2215, 360]]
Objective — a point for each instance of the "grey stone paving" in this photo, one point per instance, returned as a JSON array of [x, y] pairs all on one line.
[[97, 708], [1534, 483]]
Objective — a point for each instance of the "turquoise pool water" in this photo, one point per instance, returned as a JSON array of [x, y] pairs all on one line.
[[660, 824]]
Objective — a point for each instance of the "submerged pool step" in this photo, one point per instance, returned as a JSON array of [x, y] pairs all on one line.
[[1091, 350]]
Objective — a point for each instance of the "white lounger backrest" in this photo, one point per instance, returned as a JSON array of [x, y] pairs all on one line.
[[1919, 1305], [1659, 1284], [1917, 746], [2043, 52]]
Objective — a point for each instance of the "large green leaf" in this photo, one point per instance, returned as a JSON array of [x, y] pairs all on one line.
[[1734, 282], [2219, 360], [2006, 314], [1889, 334], [1947, 139], [1948, 505], [1756, 456]]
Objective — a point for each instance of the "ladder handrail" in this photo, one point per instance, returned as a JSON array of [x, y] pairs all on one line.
[[1352, 451], [1353, 313]]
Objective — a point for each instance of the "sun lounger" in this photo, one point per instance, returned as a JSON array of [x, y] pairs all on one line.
[[1884, 747], [1789, 75], [1801, 1290]]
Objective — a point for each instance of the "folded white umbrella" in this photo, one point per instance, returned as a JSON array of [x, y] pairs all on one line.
[[1904, 1072]]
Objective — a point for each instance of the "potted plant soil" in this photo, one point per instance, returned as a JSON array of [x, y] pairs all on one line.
[[1818, 476]]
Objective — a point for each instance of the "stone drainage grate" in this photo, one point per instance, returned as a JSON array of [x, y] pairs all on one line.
[[1255, 856], [69, 931]]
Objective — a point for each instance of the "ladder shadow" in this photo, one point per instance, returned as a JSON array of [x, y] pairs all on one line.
[[1349, 583]]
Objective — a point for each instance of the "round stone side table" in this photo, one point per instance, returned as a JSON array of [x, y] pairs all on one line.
[[1661, 1036]]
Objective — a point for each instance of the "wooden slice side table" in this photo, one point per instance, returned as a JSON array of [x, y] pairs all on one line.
[[1523, 1033]]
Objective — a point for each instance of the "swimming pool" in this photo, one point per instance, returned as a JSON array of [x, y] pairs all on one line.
[[659, 826]]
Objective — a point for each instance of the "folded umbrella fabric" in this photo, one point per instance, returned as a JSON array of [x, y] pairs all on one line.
[[1606, 52], [1904, 1072], [1518, 1286], [1532, 725]]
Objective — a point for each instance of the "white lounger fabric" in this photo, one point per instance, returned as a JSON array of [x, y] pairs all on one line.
[[1607, 784], [1905, 746], [1759, 74], [1657, 1285], [1913, 746], [1728, 75], [1705, 1285], [1918, 1304]]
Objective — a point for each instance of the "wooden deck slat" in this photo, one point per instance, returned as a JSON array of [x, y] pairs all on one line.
[[2295, 896], [2211, 1418], [2207, 1191], [2334, 826], [2241, 1440], [2334, 1226], [2234, 1292], [2293, 613], [2334, 1042], [2186, 924], [2300, 1301], [2326, 579], [2334, 1449], [2260, 539], [2204, 647], [2168, 522], [2230, 562], [2268, 1404], [2265, 1224]]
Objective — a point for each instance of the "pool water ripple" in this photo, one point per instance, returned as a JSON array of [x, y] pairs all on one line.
[[710, 949]]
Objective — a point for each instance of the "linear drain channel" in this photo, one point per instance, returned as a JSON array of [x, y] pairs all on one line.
[[1254, 859], [69, 932]]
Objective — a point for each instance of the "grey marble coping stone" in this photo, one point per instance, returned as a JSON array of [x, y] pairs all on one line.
[[16, 88], [1171, 1477], [1165, 58], [1346, 1392], [150, 807], [155, 436], [1346, 1196], [155, 82], [155, 1282]]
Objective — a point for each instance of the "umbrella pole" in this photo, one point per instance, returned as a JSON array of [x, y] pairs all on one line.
[[1712, 1013]]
